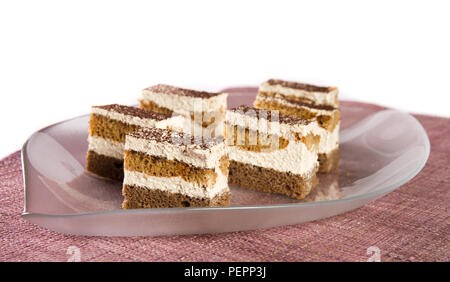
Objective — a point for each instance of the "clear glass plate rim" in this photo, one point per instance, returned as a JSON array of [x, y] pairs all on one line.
[[382, 191]]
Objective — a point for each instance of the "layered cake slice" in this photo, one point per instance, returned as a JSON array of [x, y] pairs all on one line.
[[271, 152], [307, 102], [108, 126], [206, 110], [165, 168]]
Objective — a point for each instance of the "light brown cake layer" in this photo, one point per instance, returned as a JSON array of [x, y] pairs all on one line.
[[253, 140], [162, 167], [140, 197], [271, 181], [107, 128], [329, 162], [208, 118], [150, 106], [311, 141], [329, 122], [245, 139], [104, 166], [224, 165]]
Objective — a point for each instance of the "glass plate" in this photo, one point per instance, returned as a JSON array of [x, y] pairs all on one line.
[[379, 152]]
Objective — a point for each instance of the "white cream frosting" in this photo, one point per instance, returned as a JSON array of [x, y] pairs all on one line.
[[175, 122], [203, 158], [106, 147], [177, 184], [295, 158], [186, 105], [271, 127], [321, 98]]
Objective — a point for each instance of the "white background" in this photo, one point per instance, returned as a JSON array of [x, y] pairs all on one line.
[[57, 58]]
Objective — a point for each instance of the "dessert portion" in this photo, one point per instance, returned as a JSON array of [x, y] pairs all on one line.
[[108, 126], [272, 152], [204, 110], [308, 102], [165, 168]]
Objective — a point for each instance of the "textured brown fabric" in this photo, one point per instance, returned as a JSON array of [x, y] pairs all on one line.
[[137, 197], [270, 180], [104, 166], [409, 224]]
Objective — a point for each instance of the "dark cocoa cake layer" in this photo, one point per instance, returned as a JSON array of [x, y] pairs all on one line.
[[140, 197], [271, 181], [329, 162], [104, 166]]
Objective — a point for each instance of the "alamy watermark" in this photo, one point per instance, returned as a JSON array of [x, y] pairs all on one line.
[[74, 254], [240, 127], [374, 254]]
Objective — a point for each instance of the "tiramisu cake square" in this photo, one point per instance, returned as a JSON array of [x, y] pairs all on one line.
[[206, 110], [165, 168], [271, 152], [108, 126], [308, 102]]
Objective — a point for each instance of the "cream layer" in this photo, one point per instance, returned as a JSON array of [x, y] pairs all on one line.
[[106, 147], [295, 158], [177, 184], [321, 98], [187, 153], [186, 105]]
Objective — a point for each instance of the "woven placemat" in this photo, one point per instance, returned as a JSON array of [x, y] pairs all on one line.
[[409, 224]]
